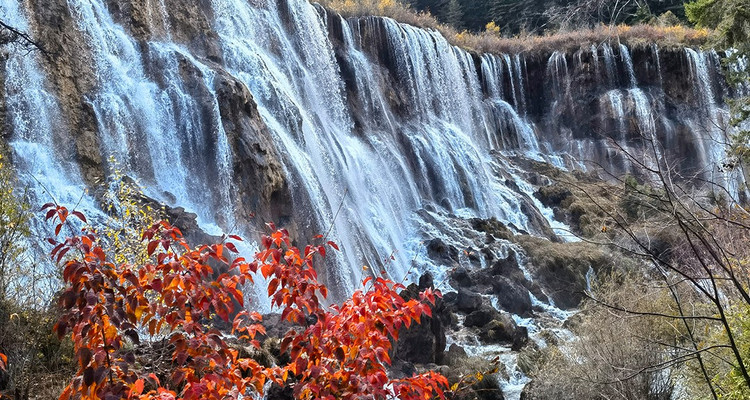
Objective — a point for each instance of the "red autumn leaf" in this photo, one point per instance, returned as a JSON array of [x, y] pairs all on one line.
[[152, 247], [80, 216], [138, 387]]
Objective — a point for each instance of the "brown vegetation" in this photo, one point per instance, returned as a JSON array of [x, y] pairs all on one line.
[[617, 355], [490, 40]]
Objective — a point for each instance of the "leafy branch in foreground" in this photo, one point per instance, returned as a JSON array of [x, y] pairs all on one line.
[[339, 352]]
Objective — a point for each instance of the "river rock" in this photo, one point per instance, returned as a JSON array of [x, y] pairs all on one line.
[[511, 296], [468, 301], [423, 343], [442, 252], [481, 317]]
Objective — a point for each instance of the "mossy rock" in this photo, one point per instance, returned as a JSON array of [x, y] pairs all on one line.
[[492, 227], [562, 267]]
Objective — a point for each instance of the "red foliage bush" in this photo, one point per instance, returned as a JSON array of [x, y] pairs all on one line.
[[339, 352]]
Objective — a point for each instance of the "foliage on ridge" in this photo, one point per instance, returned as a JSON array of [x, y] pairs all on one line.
[[664, 30]]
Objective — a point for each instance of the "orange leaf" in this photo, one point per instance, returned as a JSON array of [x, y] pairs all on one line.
[[137, 387]]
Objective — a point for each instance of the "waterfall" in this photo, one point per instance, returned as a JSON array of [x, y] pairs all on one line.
[[142, 123], [595, 58], [384, 134], [520, 74], [371, 120], [438, 153], [712, 129], [37, 143], [657, 61], [628, 61], [557, 70], [34, 116], [492, 76], [610, 65]]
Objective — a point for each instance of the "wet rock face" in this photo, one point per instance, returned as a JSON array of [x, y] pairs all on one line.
[[481, 317], [512, 296], [442, 252], [260, 179], [468, 301], [69, 68], [187, 23], [504, 330]]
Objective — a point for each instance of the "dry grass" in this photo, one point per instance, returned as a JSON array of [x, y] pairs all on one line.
[[637, 35], [490, 40], [386, 8]]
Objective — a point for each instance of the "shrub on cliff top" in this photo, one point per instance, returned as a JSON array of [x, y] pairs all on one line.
[[491, 41]]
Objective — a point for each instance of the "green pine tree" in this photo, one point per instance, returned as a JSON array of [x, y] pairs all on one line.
[[454, 14]]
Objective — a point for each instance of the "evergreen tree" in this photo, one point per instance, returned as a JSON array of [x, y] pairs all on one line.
[[538, 16], [454, 14]]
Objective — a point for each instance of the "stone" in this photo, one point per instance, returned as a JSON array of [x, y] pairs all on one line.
[[481, 317], [511, 296], [450, 297], [462, 277], [496, 332], [455, 355], [423, 343], [507, 265], [276, 392], [468, 301], [426, 281], [440, 251], [504, 330]]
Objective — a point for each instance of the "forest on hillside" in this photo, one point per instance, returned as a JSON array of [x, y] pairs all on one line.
[[539, 16]]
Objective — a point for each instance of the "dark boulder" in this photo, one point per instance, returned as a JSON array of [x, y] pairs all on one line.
[[442, 252], [455, 355], [467, 301], [450, 298], [481, 317], [423, 343], [461, 277], [504, 330], [511, 296], [276, 392], [497, 331], [506, 266]]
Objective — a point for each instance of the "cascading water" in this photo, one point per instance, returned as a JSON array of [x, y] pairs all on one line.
[[385, 133], [628, 62], [713, 135], [37, 143], [437, 153], [140, 123], [610, 64], [342, 141]]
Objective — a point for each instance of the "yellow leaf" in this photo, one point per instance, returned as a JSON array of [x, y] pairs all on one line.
[[139, 312]]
